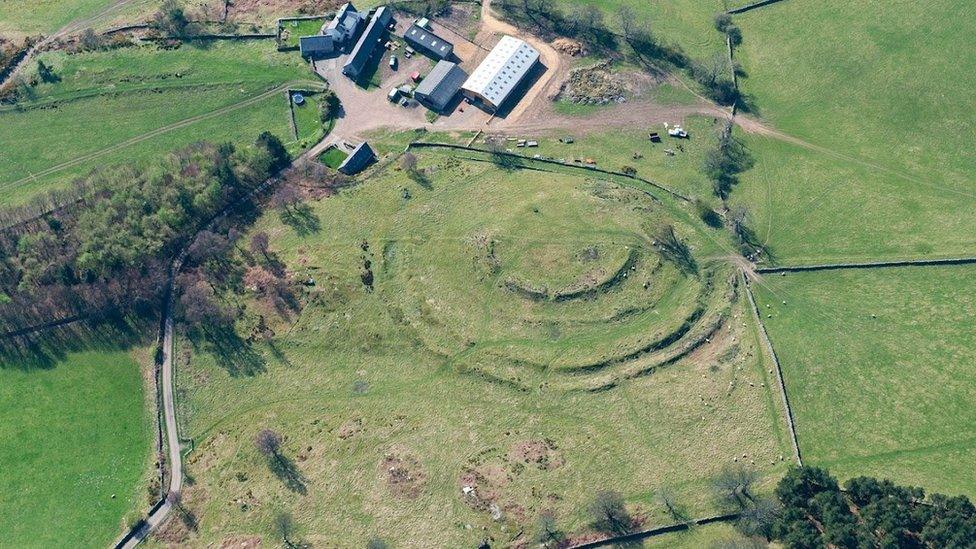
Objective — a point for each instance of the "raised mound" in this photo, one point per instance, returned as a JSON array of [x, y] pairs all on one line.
[[555, 279]]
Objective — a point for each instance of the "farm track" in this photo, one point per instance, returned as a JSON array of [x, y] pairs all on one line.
[[153, 133], [159, 512]]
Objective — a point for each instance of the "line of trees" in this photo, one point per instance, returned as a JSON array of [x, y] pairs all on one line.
[[808, 510]]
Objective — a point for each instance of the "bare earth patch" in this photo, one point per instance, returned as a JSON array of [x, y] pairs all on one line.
[[542, 453], [404, 475], [350, 428], [481, 485], [241, 542]]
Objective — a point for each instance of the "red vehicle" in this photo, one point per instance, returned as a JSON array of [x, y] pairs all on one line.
[[415, 76]]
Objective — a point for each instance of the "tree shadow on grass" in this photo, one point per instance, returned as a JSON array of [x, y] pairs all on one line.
[[279, 355], [420, 178], [233, 353], [301, 219], [287, 472], [44, 349]]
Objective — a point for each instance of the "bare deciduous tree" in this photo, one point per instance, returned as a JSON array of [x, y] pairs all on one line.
[[268, 442]]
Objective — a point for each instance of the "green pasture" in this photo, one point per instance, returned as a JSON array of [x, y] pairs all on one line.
[[160, 100], [33, 17], [144, 67], [878, 365], [873, 88], [439, 368], [74, 449], [112, 120], [811, 208]]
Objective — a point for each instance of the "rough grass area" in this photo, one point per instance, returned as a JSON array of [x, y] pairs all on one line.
[[161, 99], [30, 17], [711, 535], [74, 444], [387, 401], [889, 396], [872, 85], [612, 150]]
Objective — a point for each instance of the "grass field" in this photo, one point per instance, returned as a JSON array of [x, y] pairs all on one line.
[[333, 157], [74, 450], [32, 17], [128, 94], [448, 372], [872, 85], [889, 396], [687, 23], [612, 150], [811, 208]]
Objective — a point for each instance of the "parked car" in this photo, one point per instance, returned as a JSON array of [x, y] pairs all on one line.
[[393, 62]]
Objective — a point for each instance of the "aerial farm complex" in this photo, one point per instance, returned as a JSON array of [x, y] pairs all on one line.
[[494, 80], [490, 274]]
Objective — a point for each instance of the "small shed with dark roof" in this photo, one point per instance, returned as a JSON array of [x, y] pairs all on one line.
[[319, 45], [358, 159], [428, 43], [440, 86]]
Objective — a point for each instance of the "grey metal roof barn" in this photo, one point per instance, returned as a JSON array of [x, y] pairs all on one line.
[[501, 72], [440, 86], [358, 159], [371, 37], [428, 43]]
